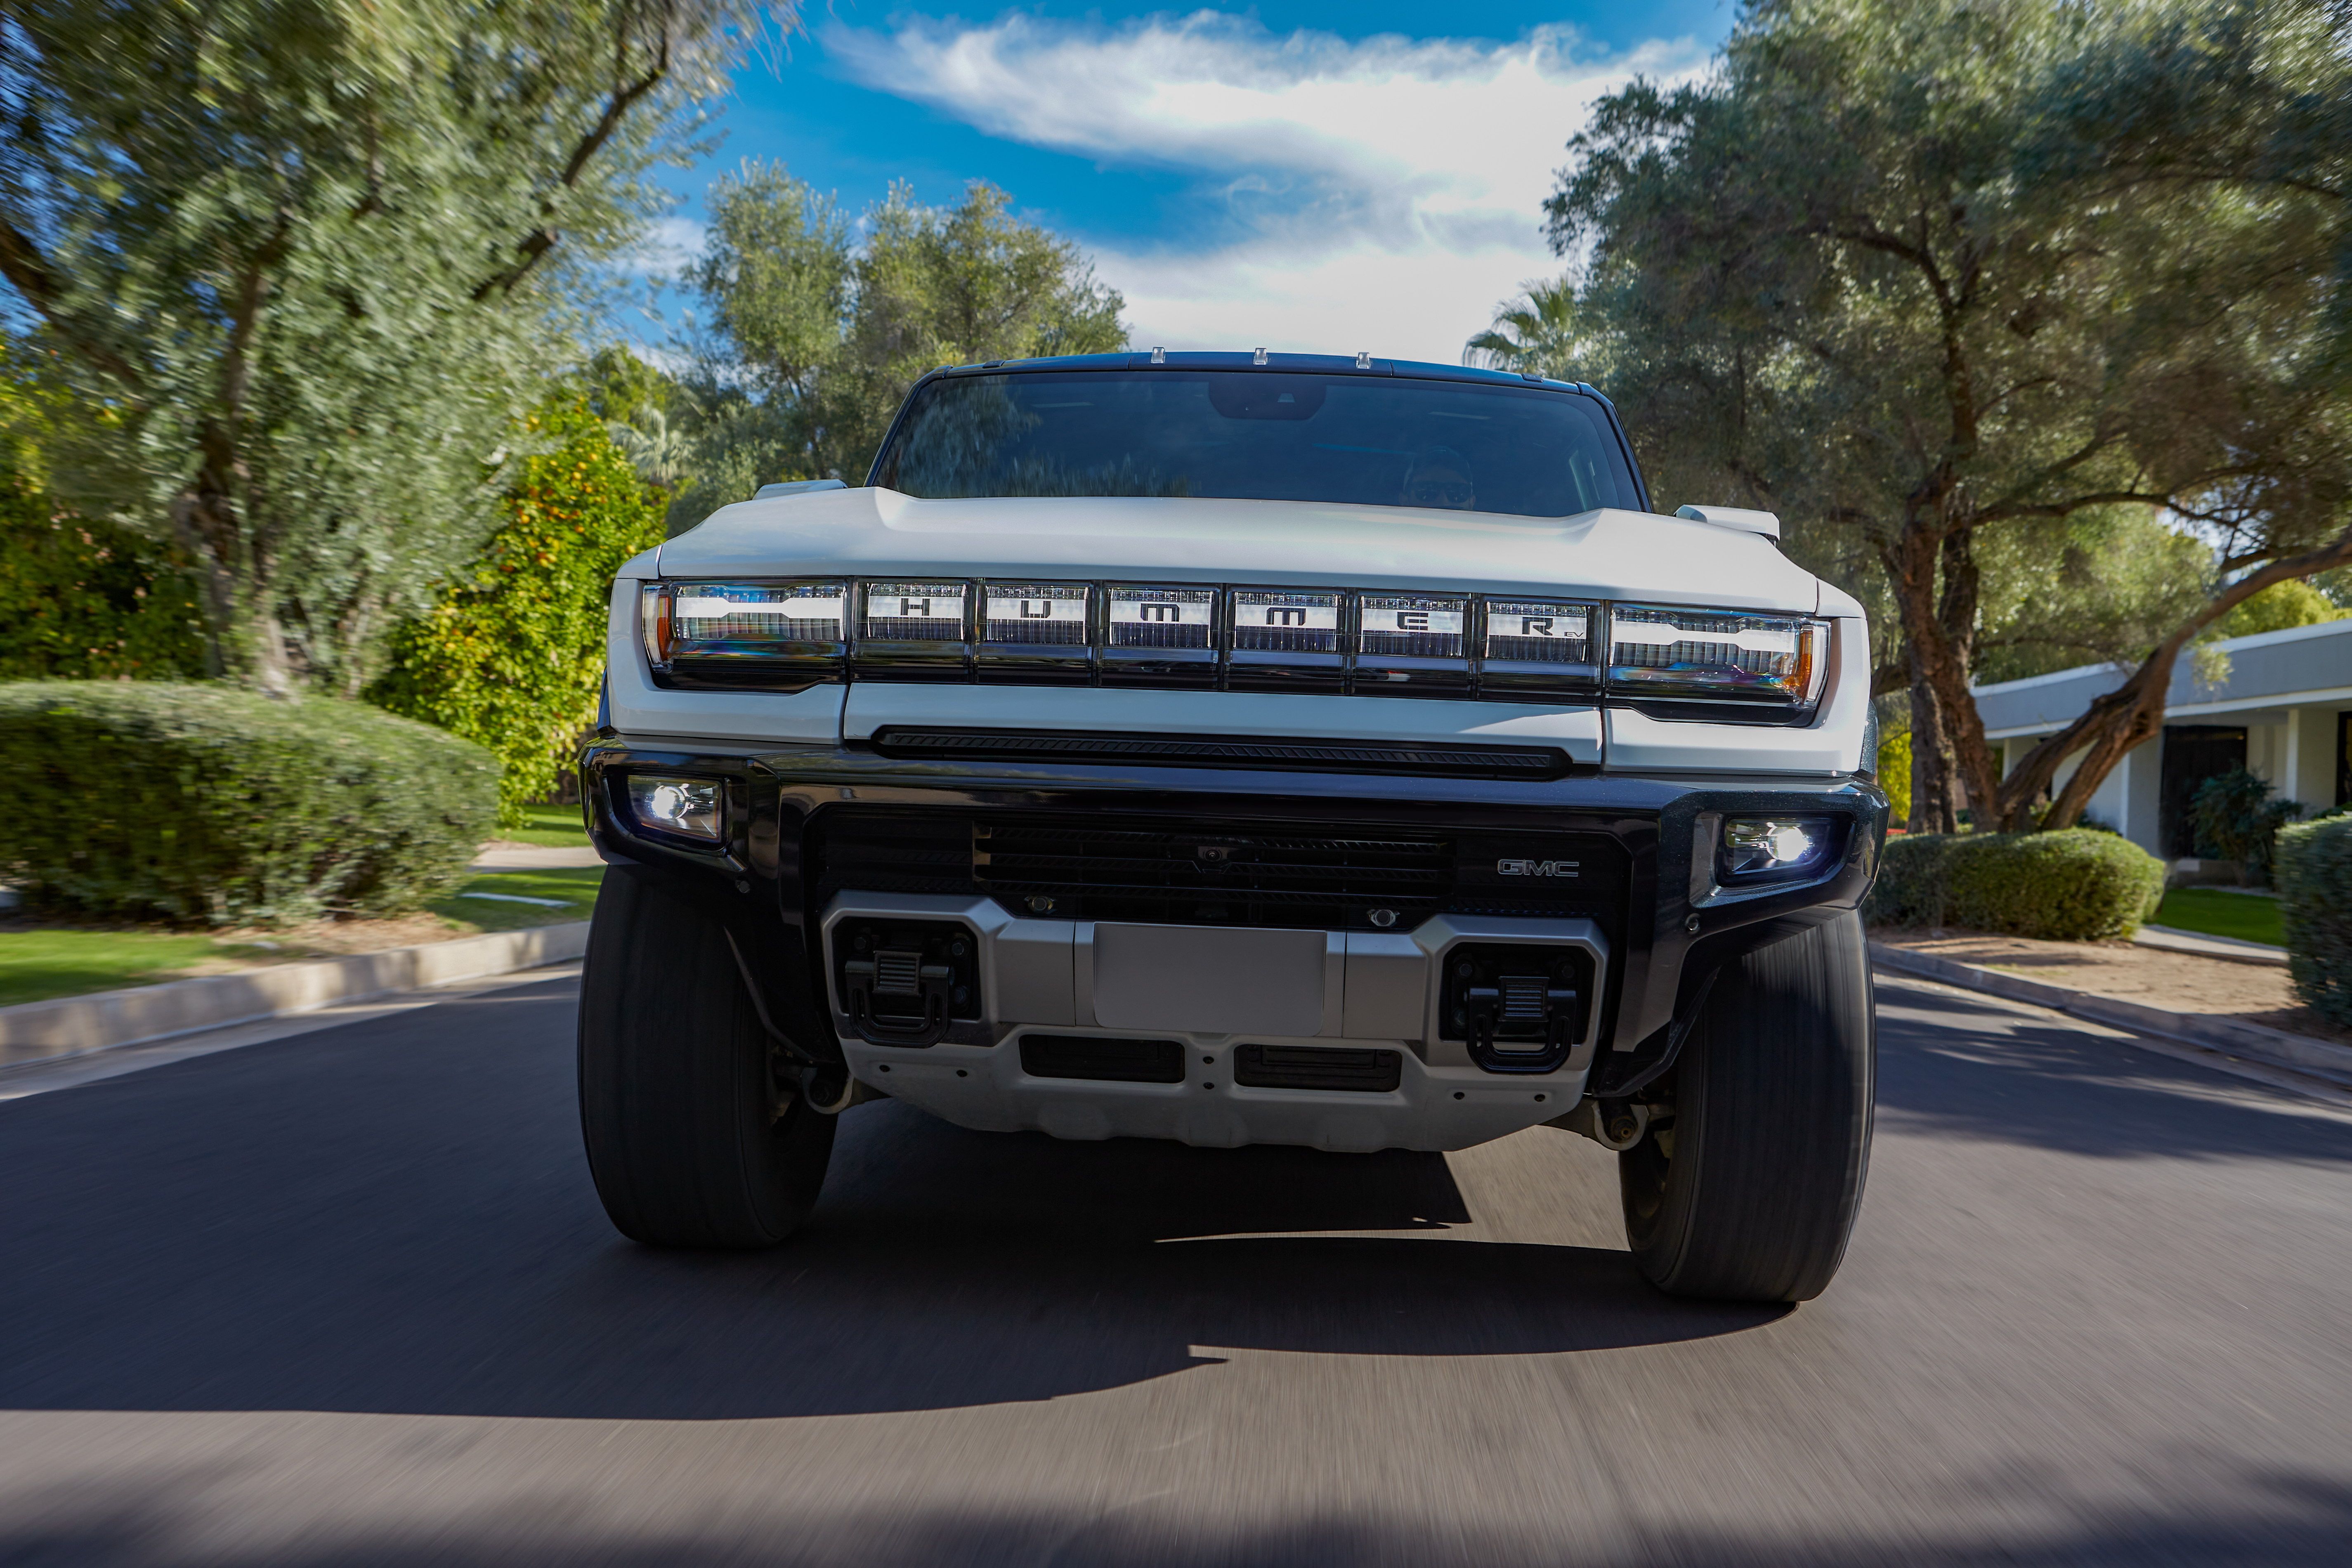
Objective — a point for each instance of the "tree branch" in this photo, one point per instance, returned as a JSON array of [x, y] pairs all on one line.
[[22, 265], [542, 239]]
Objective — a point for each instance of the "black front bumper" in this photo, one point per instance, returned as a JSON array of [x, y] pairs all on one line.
[[790, 813]]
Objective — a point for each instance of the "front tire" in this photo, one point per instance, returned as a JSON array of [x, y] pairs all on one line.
[[1747, 1190], [677, 1095]]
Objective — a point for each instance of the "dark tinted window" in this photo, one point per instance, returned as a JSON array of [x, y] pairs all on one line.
[[1359, 439]]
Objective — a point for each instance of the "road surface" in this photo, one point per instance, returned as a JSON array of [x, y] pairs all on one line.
[[347, 1298]]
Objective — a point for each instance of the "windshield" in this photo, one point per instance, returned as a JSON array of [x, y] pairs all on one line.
[[1361, 440]]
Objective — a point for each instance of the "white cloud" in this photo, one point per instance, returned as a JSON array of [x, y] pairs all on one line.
[[668, 244], [1381, 193]]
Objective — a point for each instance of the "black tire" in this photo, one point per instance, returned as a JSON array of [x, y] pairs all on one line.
[[1748, 1191], [678, 1094]]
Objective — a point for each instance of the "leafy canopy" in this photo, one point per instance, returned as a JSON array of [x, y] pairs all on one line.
[[510, 652], [311, 258], [814, 329]]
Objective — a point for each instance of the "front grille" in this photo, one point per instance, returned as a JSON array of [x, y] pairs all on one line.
[[1317, 1067], [1103, 1060], [1114, 866], [1215, 875]]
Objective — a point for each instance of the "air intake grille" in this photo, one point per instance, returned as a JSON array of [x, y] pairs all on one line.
[[1346, 1069], [1215, 876], [1115, 866]]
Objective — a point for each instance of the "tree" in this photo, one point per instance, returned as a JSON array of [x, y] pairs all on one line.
[[510, 652], [312, 258], [813, 337], [1853, 277]]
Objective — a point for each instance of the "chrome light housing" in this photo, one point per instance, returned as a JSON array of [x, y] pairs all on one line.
[[1773, 849], [682, 807], [1746, 664], [771, 635]]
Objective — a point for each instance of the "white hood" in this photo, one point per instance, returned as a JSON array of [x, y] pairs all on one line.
[[1608, 553]]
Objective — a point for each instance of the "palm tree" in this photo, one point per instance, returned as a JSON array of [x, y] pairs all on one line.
[[659, 454], [1536, 333]]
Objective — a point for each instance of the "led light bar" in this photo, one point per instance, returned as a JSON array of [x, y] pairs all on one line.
[[1535, 649], [777, 635], [912, 631], [1687, 655], [1286, 640], [1674, 661], [1037, 634], [1160, 635], [1413, 644]]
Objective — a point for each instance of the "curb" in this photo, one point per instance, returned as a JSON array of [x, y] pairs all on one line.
[[2233, 1037], [70, 1026], [2229, 949]]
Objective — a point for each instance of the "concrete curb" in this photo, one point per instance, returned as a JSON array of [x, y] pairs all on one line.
[[2233, 1037], [2229, 949], [39, 1031]]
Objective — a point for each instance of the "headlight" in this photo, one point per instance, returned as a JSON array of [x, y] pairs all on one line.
[[774, 635], [1760, 849], [691, 808], [1760, 662]]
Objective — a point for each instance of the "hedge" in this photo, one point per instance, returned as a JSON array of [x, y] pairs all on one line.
[[203, 802], [2315, 888], [2074, 885]]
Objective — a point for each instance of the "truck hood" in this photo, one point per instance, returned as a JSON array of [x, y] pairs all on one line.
[[1606, 553]]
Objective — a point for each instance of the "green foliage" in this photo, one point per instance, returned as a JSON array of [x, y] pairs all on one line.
[[2314, 882], [2277, 608], [1925, 279], [1895, 775], [312, 258], [2071, 886], [510, 653], [2236, 818], [205, 803], [817, 327], [85, 599]]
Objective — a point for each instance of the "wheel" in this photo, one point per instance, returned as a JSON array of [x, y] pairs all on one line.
[[678, 1098], [1745, 1187]]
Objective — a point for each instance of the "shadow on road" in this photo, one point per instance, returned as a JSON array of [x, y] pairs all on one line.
[[2271, 1520], [2049, 1084], [396, 1217]]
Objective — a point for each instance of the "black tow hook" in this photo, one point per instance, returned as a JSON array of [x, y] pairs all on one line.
[[899, 976]]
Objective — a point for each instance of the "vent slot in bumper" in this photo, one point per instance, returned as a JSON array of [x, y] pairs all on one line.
[[1315, 1067], [1105, 1060]]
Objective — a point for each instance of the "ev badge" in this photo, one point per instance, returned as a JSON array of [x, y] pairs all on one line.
[[1535, 868]]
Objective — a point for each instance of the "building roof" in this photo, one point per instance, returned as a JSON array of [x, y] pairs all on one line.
[[2270, 669]]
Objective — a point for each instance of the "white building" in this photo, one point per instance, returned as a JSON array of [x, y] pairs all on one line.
[[2283, 711]]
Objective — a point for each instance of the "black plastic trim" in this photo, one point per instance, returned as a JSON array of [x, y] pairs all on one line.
[[1530, 762]]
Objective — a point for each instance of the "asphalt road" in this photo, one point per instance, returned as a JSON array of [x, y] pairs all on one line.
[[347, 1298]]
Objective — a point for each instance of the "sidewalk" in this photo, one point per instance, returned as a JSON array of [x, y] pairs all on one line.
[[2218, 1002]]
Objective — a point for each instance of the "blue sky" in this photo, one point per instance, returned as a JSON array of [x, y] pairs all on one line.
[[1304, 176]]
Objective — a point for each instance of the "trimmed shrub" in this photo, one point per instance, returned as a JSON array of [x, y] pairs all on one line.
[[2075, 885], [203, 802], [2236, 818], [511, 653], [2315, 888]]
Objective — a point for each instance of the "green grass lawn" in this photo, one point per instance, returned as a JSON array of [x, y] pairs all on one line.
[[571, 889], [2212, 912], [551, 825], [38, 964]]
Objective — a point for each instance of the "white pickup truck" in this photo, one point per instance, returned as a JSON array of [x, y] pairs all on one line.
[[1240, 749]]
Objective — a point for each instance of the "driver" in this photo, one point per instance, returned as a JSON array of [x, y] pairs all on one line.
[[1439, 477]]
